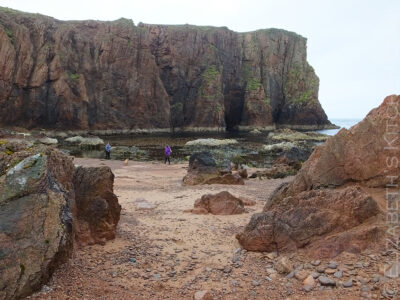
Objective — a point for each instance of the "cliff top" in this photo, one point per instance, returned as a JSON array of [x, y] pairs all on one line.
[[13, 12]]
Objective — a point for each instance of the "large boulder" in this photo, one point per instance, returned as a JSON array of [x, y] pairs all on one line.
[[97, 207], [328, 206], [204, 170], [202, 167], [298, 151], [35, 222], [310, 216], [44, 205], [222, 203], [362, 154]]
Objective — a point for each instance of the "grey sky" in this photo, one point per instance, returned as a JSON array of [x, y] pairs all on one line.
[[354, 46]]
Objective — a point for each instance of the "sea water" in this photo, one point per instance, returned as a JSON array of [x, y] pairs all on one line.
[[342, 123]]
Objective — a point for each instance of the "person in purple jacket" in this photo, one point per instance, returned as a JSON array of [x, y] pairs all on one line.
[[167, 152]]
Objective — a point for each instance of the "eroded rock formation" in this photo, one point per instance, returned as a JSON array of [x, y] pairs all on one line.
[[366, 153], [35, 224], [115, 75], [303, 219], [43, 204], [328, 205]]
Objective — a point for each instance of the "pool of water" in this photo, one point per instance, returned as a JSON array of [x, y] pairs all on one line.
[[151, 148]]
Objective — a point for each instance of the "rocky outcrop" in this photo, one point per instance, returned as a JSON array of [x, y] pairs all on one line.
[[293, 136], [35, 222], [210, 143], [327, 206], [204, 170], [44, 204], [295, 152], [312, 216], [97, 206], [202, 166], [366, 153], [115, 75]]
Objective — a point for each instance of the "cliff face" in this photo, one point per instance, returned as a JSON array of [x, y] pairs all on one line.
[[115, 75]]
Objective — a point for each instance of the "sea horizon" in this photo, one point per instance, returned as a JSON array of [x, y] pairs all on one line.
[[342, 123]]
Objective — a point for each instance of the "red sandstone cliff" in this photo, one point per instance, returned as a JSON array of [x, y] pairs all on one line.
[[98, 75]]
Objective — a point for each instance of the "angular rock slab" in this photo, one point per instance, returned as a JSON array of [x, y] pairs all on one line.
[[35, 222], [97, 207], [308, 212], [39, 218], [309, 217], [362, 153]]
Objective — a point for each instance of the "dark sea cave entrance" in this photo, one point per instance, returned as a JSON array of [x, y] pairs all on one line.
[[233, 109]]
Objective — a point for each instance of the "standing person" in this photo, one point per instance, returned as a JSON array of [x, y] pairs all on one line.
[[108, 150], [167, 152]]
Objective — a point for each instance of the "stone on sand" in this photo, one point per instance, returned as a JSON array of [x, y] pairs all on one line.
[[222, 203], [202, 295]]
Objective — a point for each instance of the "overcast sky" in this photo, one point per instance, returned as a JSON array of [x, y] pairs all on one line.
[[354, 46]]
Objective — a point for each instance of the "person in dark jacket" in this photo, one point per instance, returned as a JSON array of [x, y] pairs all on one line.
[[108, 151], [167, 152]]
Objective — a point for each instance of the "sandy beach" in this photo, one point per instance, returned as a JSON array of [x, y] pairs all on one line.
[[165, 253]]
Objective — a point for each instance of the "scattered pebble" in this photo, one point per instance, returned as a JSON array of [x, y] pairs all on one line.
[[332, 265], [338, 274], [256, 282], [326, 281], [348, 283], [316, 263]]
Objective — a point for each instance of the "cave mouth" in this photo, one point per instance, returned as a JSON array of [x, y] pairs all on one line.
[[233, 102]]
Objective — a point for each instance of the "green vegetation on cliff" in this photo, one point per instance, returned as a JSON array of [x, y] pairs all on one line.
[[73, 76], [125, 21], [210, 86], [304, 97], [301, 84], [9, 10], [253, 84], [10, 34], [211, 73]]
